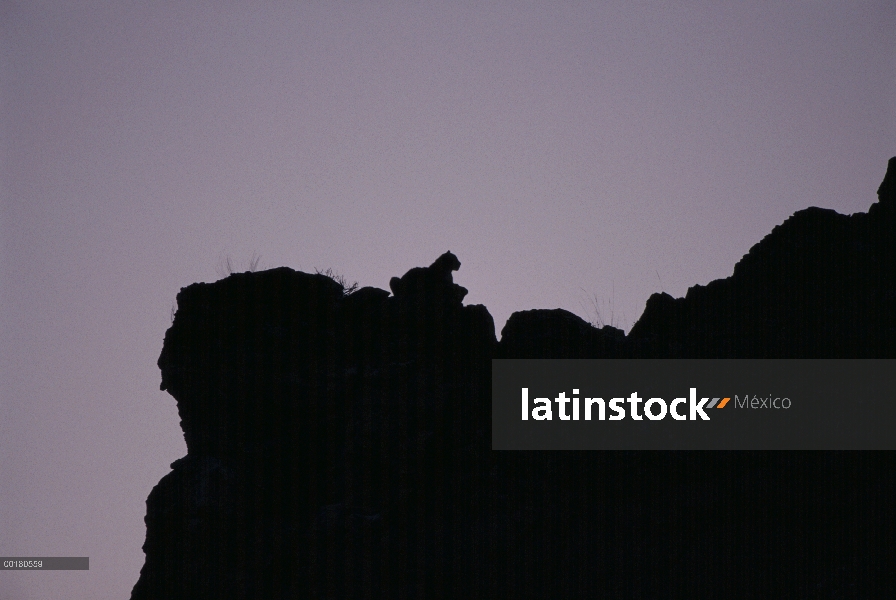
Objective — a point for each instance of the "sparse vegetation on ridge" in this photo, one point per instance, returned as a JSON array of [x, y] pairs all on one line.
[[596, 318], [347, 288], [227, 267]]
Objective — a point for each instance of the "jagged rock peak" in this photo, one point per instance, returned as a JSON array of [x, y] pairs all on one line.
[[886, 193]]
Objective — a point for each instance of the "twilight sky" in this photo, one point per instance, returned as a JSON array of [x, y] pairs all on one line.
[[565, 151]]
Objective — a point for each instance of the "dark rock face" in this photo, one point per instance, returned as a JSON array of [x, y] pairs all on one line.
[[339, 445], [558, 334], [820, 285], [324, 432]]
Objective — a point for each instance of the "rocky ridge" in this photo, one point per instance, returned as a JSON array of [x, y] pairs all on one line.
[[339, 444]]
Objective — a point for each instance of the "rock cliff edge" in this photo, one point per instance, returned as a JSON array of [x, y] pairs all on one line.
[[339, 443]]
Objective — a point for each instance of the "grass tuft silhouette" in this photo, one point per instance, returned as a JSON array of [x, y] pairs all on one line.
[[347, 288], [597, 319], [227, 267]]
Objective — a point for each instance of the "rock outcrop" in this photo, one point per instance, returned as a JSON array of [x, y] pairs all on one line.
[[558, 334], [339, 445], [820, 285]]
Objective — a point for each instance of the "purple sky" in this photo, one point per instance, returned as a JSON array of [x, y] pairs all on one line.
[[564, 151]]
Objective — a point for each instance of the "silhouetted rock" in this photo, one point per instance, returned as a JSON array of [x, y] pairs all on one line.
[[820, 285], [368, 296], [886, 193], [558, 334], [339, 445]]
